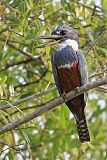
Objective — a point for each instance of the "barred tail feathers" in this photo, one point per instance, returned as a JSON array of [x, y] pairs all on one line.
[[83, 130]]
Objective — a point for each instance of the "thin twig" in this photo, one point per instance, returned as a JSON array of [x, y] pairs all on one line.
[[85, 6], [33, 82], [3, 30], [21, 51], [13, 41], [98, 74], [102, 89], [96, 41], [16, 63], [33, 96], [27, 108]]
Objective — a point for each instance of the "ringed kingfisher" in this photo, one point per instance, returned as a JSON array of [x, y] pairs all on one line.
[[69, 69]]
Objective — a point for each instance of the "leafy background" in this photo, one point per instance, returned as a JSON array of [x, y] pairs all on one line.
[[25, 69]]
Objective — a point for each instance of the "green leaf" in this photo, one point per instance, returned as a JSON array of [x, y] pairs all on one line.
[[63, 120], [23, 7], [90, 36], [3, 80], [36, 2], [14, 22], [31, 47]]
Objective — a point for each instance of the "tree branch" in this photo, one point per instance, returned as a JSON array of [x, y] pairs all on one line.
[[33, 82], [16, 63], [21, 51], [86, 6], [33, 96], [51, 105]]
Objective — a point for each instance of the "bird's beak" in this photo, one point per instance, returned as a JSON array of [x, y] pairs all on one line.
[[53, 37], [54, 40]]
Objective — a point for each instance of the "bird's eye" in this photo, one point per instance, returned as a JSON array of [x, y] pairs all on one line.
[[63, 32]]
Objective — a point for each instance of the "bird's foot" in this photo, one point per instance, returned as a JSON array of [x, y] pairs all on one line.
[[63, 95], [76, 90]]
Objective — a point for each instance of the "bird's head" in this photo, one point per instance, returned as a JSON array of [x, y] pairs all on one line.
[[67, 31], [69, 34], [64, 34]]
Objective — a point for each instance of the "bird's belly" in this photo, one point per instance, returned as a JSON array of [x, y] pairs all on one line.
[[69, 76]]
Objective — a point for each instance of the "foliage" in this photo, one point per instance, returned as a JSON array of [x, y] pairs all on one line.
[[25, 69]]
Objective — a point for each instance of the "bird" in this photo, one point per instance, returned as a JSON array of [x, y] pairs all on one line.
[[69, 68]]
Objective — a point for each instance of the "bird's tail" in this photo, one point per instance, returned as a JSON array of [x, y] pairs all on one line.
[[83, 130]]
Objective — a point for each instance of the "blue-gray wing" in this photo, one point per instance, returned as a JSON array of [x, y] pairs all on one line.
[[55, 74], [83, 71]]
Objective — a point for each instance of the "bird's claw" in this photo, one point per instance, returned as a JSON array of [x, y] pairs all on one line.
[[64, 97], [76, 90]]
